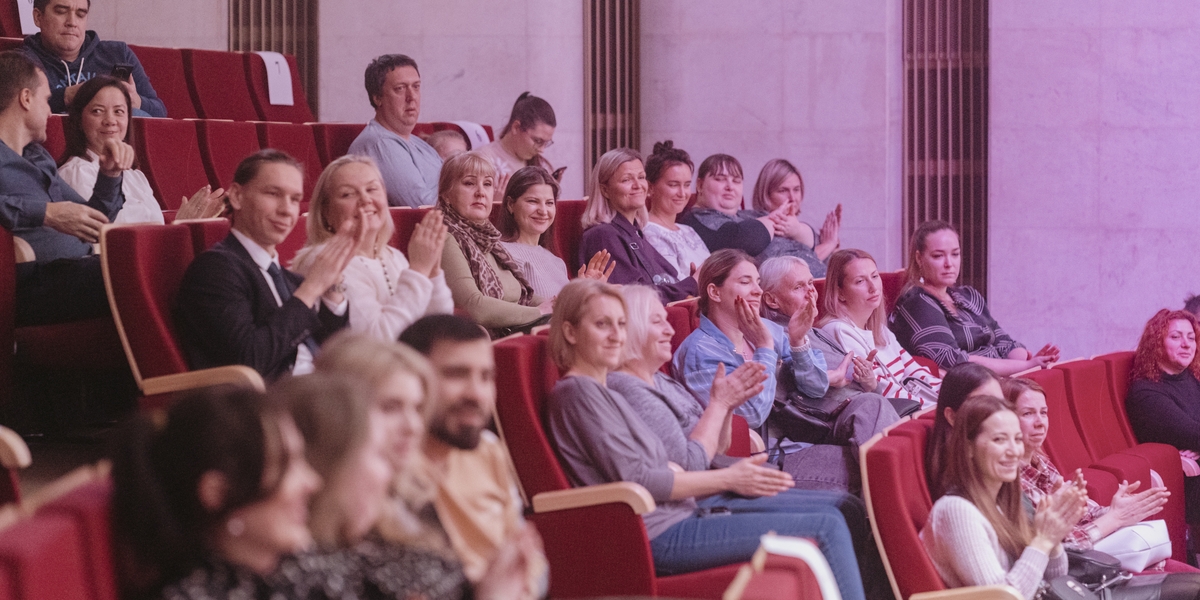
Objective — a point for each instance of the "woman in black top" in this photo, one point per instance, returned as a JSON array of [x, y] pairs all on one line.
[[950, 324]]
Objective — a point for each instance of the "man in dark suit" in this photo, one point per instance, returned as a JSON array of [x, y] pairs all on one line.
[[236, 305]]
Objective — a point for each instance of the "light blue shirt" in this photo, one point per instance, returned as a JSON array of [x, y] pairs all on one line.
[[410, 168], [697, 358]]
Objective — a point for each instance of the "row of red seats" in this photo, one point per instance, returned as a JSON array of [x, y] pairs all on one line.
[[210, 84], [1089, 431]]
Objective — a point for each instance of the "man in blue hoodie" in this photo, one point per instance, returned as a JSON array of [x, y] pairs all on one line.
[[70, 55]]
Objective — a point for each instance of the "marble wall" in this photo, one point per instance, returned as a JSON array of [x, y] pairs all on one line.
[[816, 82], [1094, 168]]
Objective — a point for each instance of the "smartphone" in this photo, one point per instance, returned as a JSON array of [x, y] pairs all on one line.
[[122, 72]]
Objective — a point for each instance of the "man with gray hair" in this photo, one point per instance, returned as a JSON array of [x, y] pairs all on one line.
[[850, 412]]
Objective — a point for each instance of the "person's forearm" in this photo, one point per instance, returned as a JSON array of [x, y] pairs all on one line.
[[726, 438], [1001, 366], [699, 483], [710, 428], [824, 249]]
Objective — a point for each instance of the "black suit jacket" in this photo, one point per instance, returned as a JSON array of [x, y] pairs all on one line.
[[226, 315]]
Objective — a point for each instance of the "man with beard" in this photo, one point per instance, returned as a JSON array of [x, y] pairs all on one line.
[[477, 500]]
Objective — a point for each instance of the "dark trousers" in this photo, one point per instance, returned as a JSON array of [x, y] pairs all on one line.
[[60, 291]]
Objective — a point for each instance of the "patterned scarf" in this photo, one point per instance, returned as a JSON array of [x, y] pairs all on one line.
[[477, 240]]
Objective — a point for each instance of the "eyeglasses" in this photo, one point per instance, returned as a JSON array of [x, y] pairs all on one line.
[[541, 144]]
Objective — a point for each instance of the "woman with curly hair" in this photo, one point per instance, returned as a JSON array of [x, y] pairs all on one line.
[[1163, 401]]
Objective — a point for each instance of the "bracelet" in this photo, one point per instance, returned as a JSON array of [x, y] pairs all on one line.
[[339, 287]]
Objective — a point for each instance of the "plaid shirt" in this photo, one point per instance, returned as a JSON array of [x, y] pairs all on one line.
[[1037, 481]]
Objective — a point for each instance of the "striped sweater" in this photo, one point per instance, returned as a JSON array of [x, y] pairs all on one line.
[[893, 364]]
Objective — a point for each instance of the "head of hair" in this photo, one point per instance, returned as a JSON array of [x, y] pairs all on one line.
[[640, 300], [959, 383], [964, 478], [428, 331], [665, 156], [458, 167], [319, 228], [438, 137], [835, 280], [1014, 387], [917, 245], [162, 528], [598, 210], [770, 177], [378, 70], [518, 184], [40, 5], [1192, 304], [529, 110], [17, 72], [1151, 351], [250, 166], [715, 271], [77, 144], [771, 277], [569, 307]]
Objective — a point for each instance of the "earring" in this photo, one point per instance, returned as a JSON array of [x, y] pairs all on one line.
[[235, 526]]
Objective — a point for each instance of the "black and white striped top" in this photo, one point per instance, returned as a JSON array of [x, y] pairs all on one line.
[[925, 327]]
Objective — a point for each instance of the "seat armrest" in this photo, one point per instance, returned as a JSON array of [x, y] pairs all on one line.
[[14, 452], [979, 592], [234, 374], [637, 497]]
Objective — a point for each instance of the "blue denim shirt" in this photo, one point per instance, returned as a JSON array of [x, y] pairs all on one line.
[[697, 358]]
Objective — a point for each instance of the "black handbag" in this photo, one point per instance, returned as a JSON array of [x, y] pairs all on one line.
[[1092, 567]]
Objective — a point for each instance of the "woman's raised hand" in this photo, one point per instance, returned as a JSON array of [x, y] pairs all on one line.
[[802, 321], [425, 245], [1058, 512], [596, 267], [1129, 507], [864, 372], [832, 228], [204, 204], [501, 187], [734, 389], [751, 325]]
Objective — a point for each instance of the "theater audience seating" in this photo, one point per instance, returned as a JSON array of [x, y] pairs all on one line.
[[217, 83], [334, 139], [256, 78], [296, 140], [56, 140], [164, 67], [7, 43], [168, 153], [223, 144], [568, 231]]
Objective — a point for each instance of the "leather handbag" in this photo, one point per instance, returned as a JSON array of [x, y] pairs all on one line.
[[1092, 567]]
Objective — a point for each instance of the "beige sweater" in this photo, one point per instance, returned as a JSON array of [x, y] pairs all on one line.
[[485, 310], [963, 546]]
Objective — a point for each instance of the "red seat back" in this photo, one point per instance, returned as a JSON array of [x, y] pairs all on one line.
[[1118, 366], [89, 505], [223, 144], [8, 43], [217, 84], [892, 284], [1093, 406], [334, 139], [169, 154], [917, 433], [405, 221], [1063, 443], [819, 287], [256, 79], [164, 67], [56, 139], [143, 267], [207, 232], [44, 557], [568, 231], [297, 140], [10, 20], [292, 244], [524, 377], [680, 319]]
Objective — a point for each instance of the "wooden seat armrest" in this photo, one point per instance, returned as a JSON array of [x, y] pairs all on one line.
[[637, 497], [979, 592], [233, 374], [14, 452]]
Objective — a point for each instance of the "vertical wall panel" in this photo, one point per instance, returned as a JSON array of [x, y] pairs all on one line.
[[611, 85], [945, 112], [286, 26]]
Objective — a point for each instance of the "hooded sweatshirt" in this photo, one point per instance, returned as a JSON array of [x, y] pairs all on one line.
[[95, 58]]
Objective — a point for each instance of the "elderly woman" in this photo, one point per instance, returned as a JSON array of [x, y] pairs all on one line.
[[948, 323], [613, 221], [1039, 476], [387, 291], [484, 278], [209, 499], [856, 319], [669, 174], [721, 222], [527, 232], [601, 439], [780, 185], [1163, 402]]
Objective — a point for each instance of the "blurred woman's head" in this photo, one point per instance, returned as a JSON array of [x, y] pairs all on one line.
[[719, 184], [588, 325], [779, 182], [350, 188], [617, 186], [529, 206], [1167, 345], [467, 185], [669, 173], [98, 113]]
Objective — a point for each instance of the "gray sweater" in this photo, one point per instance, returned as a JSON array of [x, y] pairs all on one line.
[[669, 411], [601, 439]]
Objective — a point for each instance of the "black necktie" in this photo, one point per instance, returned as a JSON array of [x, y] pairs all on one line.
[[285, 291]]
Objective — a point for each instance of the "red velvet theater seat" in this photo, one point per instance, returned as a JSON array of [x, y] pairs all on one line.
[[168, 153], [223, 144], [256, 78], [164, 67], [89, 506], [56, 139], [217, 84], [568, 231], [296, 140], [333, 139], [405, 221]]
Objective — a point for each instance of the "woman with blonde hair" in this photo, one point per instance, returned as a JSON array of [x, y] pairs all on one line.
[[613, 221], [387, 291], [484, 278], [856, 319], [780, 185]]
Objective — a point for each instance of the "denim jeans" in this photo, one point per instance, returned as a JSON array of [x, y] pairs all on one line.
[[704, 541]]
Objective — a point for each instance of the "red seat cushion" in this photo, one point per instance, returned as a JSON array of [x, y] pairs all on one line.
[[90, 344], [164, 67], [334, 139], [44, 557], [89, 505], [169, 154], [296, 140], [223, 144], [256, 78], [217, 83], [568, 231]]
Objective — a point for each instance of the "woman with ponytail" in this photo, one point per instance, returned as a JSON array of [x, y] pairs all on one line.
[[529, 131], [669, 175]]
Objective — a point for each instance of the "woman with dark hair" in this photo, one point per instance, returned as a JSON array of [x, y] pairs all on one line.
[[669, 175], [613, 221], [529, 131], [960, 383], [978, 533], [722, 222], [948, 323], [100, 112], [1163, 402], [527, 232], [780, 185], [208, 500]]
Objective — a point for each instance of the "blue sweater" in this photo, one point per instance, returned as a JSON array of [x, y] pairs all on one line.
[[28, 182], [95, 58]]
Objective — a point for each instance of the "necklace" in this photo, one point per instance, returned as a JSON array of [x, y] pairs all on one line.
[[386, 276]]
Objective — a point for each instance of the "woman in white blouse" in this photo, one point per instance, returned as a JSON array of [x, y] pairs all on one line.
[[100, 112], [855, 317], [386, 290], [527, 232], [669, 173]]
